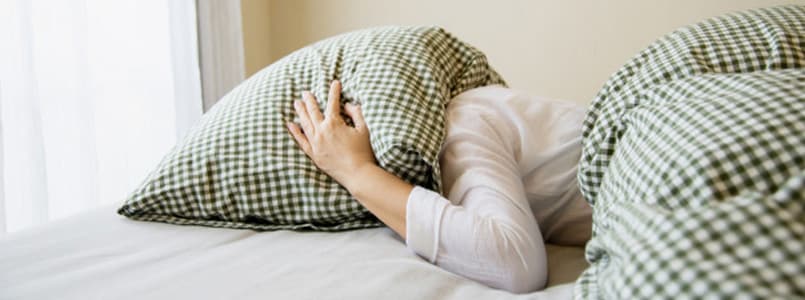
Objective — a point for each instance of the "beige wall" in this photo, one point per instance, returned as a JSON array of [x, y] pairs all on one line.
[[563, 49], [256, 19]]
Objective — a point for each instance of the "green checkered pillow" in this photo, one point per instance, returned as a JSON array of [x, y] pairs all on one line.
[[694, 162], [240, 168]]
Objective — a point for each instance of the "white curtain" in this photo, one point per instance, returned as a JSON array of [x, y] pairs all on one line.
[[92, 94]]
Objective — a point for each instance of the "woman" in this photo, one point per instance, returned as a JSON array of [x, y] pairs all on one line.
[[508, 164]]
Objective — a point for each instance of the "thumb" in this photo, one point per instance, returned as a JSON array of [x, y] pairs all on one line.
[[354, 112]]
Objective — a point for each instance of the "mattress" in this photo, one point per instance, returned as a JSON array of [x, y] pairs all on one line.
[[101, 255]]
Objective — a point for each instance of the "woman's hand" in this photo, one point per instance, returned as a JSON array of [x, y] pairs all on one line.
[[336, 148], [345, 154]]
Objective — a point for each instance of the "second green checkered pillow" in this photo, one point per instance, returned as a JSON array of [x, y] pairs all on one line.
[[694, 162], [239, 167]]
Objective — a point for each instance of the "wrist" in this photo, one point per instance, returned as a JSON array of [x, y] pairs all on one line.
[[359, 177]]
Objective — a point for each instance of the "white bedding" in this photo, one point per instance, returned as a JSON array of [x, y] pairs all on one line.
[[100, 255]]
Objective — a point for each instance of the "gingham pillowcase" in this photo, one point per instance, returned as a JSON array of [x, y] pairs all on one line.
[[694, 161], [765, 39], [239, 167]]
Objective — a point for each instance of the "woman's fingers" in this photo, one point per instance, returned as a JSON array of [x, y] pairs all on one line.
[[354, 112], [300, 137], [304, 118], [333, 109], [312, 107]]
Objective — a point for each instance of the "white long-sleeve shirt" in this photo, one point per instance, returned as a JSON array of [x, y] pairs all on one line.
[[509, 172]]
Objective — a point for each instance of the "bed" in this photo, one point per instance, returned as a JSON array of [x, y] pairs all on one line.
[[674, 213], [102, 255]]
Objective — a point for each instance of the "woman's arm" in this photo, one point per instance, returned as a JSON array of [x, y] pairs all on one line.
[[382, 193], [344, 153], [492, 237]]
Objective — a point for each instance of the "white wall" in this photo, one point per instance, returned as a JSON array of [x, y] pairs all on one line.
[[564, 49]]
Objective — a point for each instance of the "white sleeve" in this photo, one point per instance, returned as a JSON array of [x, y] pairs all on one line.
[[484, 239], [486, 231], [423, 218]]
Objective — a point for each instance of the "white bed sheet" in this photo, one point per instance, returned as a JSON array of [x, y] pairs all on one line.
[[101, 255]]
